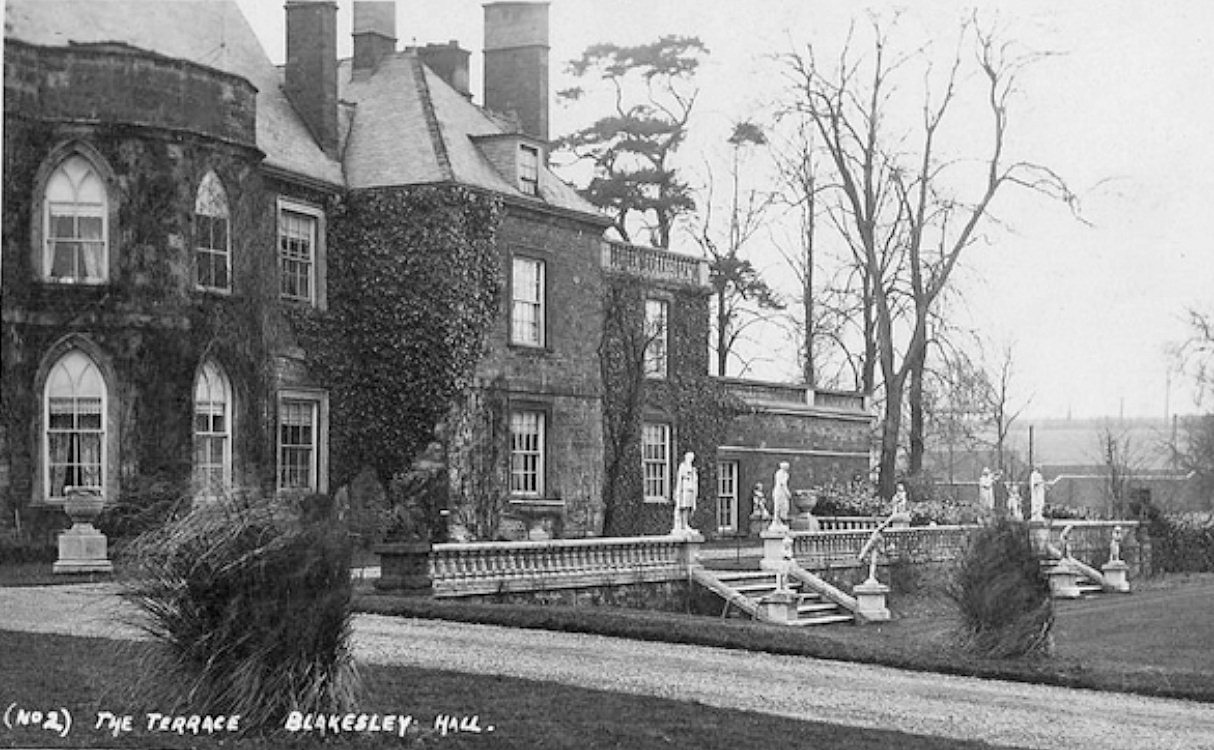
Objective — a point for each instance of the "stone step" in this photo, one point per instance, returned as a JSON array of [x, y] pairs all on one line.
[[822, 620], [812, 606]]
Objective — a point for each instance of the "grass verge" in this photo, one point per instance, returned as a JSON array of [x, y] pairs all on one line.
[[88, 675]]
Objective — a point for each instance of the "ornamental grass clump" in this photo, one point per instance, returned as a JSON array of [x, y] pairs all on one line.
[[1002, 595], [248, 603]]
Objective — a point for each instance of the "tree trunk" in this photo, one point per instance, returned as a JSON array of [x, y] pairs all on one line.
[[890, 425], [914, 395], [722, 334]]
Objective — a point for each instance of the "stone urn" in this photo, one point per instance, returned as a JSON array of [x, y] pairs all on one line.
[[82, 548], [804, 501], [83, 505]]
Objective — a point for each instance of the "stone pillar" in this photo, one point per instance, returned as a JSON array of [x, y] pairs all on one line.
[[779, 606], [870, 600], [1039, 536], [773, 548], [1115, 576], [404, 568], [1064, 582], [689, 554], [82, 548]]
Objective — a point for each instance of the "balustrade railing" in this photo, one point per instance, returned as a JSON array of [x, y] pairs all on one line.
[[466, 569], [847, 523], [654, 263]]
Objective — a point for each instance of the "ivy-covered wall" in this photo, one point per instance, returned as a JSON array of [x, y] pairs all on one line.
[[561, 379], [697, 407], [414, 285], [150, 328]]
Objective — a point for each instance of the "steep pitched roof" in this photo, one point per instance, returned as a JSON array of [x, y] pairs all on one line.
[[208, 32], [411, 127]]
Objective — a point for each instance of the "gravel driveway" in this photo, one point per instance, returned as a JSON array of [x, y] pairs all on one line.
[[852, 694]]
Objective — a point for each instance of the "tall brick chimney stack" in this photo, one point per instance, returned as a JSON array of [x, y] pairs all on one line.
[[374, 32], [311, 72], [516, 63], [450, 62]]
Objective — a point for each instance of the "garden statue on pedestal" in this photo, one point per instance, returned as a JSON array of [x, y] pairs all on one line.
[[686, 492], [986, 490], [759, 514], [1036, 495], [900, 505], [1014, 510], [1115, 545], [781, 498], [870, 595]]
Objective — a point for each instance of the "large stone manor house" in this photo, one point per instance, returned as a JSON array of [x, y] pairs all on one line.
[[167, 195]]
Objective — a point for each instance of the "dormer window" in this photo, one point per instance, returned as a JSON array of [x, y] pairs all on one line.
[[529, 170]]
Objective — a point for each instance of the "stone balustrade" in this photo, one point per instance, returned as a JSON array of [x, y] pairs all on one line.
[[479, 568], [840, 547], [847, 523], [654, 263]]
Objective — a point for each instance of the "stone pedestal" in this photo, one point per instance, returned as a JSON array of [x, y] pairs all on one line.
[[779, 606], [773, 548], [692, 541], [1064, 582], [404, 568], [1115, 576], [870, 598], [1039, 536], [82, 548]]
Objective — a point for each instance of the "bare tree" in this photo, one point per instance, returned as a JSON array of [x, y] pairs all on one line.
[[907, 224], [1122, 460], [742, 296]]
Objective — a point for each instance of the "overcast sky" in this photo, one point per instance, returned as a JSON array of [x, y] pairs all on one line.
[[1125, 112]]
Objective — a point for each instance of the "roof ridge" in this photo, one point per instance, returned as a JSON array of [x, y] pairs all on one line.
[[436, 132]]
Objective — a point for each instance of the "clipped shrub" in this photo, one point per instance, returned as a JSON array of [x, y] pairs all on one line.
[[851, 499], [1002, 596], [248, 602]]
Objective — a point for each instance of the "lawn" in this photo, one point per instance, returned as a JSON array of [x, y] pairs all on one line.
[[89, 675]]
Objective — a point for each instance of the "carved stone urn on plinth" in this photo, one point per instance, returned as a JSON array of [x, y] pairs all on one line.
[[82, 548]]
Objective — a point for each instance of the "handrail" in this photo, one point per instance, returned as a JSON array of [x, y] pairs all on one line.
[[824, 589]]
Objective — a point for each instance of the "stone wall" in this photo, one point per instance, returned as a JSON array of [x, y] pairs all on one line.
[[560, 379], [153, 127]]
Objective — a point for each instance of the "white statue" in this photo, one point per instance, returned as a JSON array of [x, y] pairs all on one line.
[[1115, 545], [1013, 502], [1065, 539], [781, 498], [871, 548], [901, 501], [758, 503], [686, 492], [1036, 495], [786, 563], [986, 490]]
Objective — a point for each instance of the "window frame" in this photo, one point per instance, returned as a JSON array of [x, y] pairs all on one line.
[[540, 304], [648, 463], [227, 435], [211, 181], [529, 170], [41, 225], [319, 465], [45, 474], [540, 453], [656, 359], [317, 272], [727, 472]]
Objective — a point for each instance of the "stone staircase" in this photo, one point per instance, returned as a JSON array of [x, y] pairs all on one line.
[[743, 589], [1085, 583]]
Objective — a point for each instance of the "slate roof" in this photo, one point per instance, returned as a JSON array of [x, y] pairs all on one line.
[[405, 125], [209, 32], [411, 127]]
